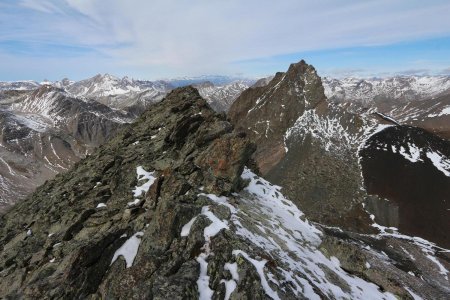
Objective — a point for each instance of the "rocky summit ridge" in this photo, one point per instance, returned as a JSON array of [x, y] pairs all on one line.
[[46, 127], [171, 209]]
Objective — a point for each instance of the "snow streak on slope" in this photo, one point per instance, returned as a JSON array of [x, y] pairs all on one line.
[[334, 131], [329, 131], [440, 162], [294, 241], [271, 224], [43, 105]]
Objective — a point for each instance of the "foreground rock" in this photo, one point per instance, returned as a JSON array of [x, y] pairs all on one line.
[[167, 210]]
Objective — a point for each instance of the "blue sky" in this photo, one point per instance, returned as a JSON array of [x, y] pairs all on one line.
[[53, 39]]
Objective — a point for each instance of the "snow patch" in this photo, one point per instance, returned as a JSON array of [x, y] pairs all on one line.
[[283, 234], [221, 200], [187, 227], [143, 175], [440, 162], [133, 203], [216, 224], [443, 112], [414, 295], [259, 266], [205, 292], [413, 155], [129, 249], [232, 267], [230, 286]]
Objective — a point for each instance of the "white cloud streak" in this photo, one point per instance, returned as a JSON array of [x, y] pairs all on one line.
[[41, 6], [204, 36]]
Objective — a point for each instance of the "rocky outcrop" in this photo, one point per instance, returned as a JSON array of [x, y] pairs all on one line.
[[47, 127], [265, 113], [307, 145], [167, 210]]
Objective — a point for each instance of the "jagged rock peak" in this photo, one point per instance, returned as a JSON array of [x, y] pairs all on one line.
[[299, 132], [266, 112], [105, 76]]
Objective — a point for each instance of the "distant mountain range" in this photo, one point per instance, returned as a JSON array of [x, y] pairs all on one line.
[[135, 95], [422, 101], [398, 88]]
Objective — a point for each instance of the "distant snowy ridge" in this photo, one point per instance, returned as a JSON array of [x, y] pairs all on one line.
[[395, 88], [18, 85], [120, 93]]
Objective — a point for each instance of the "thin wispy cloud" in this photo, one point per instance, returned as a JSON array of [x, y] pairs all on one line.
[[168, 37], [415, 72], [42, 6]]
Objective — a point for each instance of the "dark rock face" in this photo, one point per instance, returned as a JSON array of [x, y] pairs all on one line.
[[320, 169], [410, 167]]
